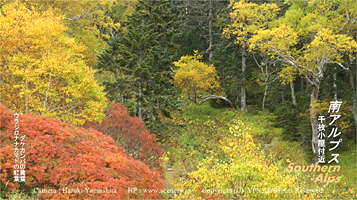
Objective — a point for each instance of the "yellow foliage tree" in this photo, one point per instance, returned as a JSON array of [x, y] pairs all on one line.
[[235, 170], [198, 79], [42, 69], [306, 41], [87, 21], [246, 19]]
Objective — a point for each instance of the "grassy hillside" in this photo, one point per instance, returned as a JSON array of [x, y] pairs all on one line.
[[199, 129]]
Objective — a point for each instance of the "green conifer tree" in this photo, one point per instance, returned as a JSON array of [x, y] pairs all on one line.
[[145, 52]]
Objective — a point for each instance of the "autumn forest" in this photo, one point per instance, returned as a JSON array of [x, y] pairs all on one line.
[[178, 99]]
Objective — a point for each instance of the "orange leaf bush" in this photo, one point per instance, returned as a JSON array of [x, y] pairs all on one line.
[[60, 156], [130, 133]]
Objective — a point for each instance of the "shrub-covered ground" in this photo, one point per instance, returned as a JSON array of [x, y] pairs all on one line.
[[60, 156], [199, 134], [207, 153]]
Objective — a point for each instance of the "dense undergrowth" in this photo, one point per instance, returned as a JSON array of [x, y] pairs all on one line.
[[198, 135], [209, 152], [62, 161]]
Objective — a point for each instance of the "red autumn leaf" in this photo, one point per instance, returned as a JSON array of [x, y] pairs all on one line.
[[130, 133], [60, 156]]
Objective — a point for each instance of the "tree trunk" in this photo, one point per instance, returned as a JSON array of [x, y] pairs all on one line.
[[314, 98], [265, 94], [335, 84], [293, 92], [243, 93], [354, 98], [307, 84], [121, 97], [237, 100], [282, 93], [120, 90], [302, 86], [140, 111], [47, 91], [26, 98], [210, 31]]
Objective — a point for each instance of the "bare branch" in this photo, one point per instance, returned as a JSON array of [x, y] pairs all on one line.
[[208, 97], [227, 46], [347, 22], [65, 107], [343, 67], [258, 63], [273, 72], [273, 80], [302, 72]]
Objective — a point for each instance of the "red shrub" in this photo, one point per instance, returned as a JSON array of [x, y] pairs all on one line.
[[60, 156], [130, 133]]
